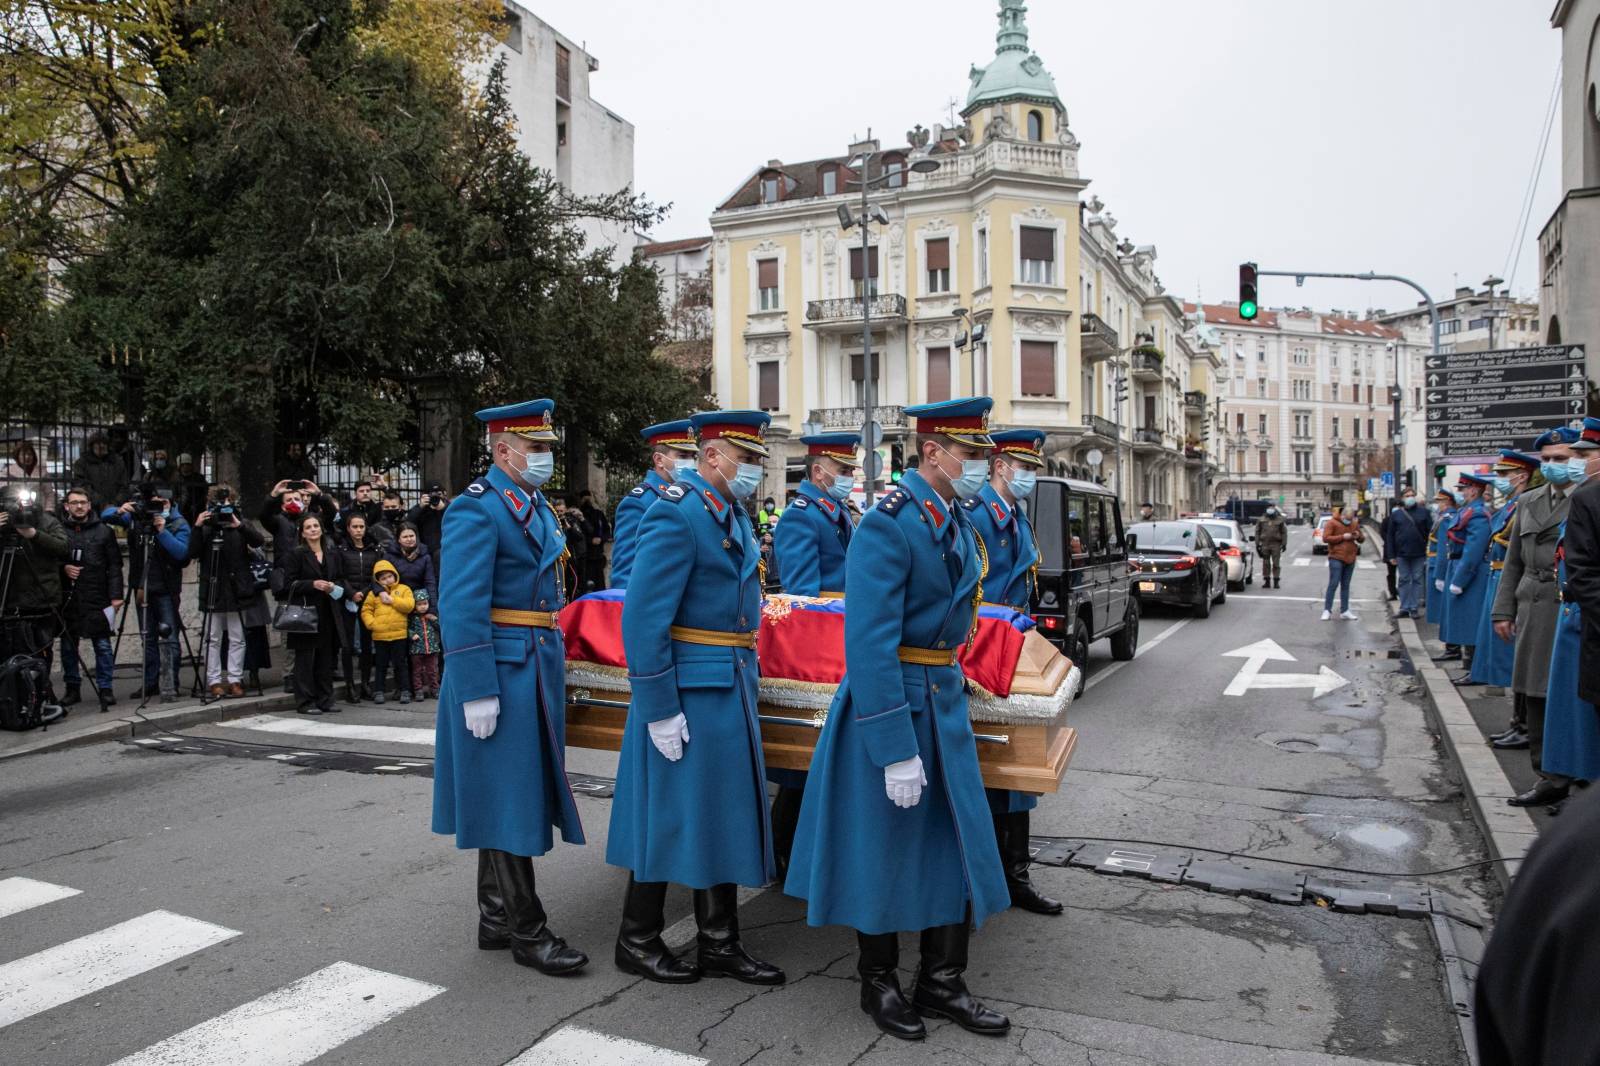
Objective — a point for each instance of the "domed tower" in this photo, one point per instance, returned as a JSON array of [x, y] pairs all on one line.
[[1014, 97]]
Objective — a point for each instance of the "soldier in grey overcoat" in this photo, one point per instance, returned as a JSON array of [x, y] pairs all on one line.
[[1526, 606]]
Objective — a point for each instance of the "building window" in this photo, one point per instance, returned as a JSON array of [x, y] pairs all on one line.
[[983, 258], [858, 381], [1336, 465], [1035, 126], [1355, 429], [1261, 424], [867, 279], [1261, 461], [1448, 326], [938, 375], [1261, 353], [1333, 361], [1478, 323], [1038, 255], [1388, 428], [894, 166], [1302, 357], [1261, 388], [767, 284], [1038, 368], [1369, 398], [1302, 461], [1335, 433], [1302, 388], [767, 385], [1238, 422], [1302, 424], [938, 253], [828, 180], [563, 73], [1372, 424], [771, 187], [561, 134]]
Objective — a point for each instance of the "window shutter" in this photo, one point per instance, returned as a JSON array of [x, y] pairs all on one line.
[[1038, 368], [855, 366], [767, 389], [938, 375], [855, 263], [767, 269], [1038, 243], [872, 261], [939, 254]]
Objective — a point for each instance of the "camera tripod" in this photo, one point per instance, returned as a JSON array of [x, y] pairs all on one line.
[[146, 534], [26, 635]]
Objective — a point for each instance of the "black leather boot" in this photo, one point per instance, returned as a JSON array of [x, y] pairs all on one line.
[[640, 949], [532, 942], [1011, 830], [716, 912], [941, 993], [881, 996], [492, 932], [785, 819]]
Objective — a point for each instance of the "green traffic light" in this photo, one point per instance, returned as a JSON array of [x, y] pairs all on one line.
[[1247, 309]]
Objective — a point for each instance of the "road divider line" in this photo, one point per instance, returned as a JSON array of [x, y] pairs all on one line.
[[18, 894], [90, 963], [294, 1024], [573, 1044], [1108, 671], [1302, 561], [383, 734]]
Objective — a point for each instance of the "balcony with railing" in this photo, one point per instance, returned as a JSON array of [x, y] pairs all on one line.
[[838, 419], [1099, 340], [1145, 364], [1195, 400], [844, 312], [1146, 440], [1102, 426]]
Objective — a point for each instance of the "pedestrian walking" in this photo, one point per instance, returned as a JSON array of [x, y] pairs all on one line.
[[1468, 574], [1407, 534], [1343, 536], [313, 576], [1272, 538], [672, 451]]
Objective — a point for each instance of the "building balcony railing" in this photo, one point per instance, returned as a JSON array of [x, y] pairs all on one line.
[[1099, 340], [1194, 455], [1101, 426], [1195, 399], [844, 312], [1146, 438], [833, 419], [1145, 366]]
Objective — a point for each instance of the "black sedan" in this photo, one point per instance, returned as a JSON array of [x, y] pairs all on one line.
[[1176, 562]]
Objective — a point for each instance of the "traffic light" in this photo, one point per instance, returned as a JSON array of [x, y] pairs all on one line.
[[897, 463], [1121, 383], [1439, 471], [1411, 477], [1248, 307]]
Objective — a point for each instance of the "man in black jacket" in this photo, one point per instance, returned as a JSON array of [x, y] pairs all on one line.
[[288, 502], [91, 595], [222, 543], [428, 517], [363, 504], [158, 550], [1582, 552], [29, 616]]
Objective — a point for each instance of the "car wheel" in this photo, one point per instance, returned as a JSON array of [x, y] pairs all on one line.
[[1080, 655], [1125, 644], [1203, 608]]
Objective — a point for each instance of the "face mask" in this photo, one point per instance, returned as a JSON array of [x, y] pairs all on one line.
[[839, 488], [681, 467], [1022, 483], [1577, 470], [1502, 485], [537, 468], [293, 506], [1272, 512], [745, 481], [1556, 472], [1410, 501], [974, 472], [1459, 498], [1433, 507]]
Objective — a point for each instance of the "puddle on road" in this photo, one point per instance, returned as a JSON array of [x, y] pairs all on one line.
[[1379, 836]]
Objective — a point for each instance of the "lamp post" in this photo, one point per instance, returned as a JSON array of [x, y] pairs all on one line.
[[871, 213], [967, 340]]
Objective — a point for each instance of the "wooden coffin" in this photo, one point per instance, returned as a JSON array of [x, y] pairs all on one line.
[[1023, 740]]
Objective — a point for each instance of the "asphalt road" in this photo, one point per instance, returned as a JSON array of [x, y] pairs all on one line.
[[280, 911]]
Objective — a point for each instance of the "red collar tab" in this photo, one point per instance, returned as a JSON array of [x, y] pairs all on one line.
[[828, 505], [715, 501], [936, 512], [1000, 512], [517, 502]]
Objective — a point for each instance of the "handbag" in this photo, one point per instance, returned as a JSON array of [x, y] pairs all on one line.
[[295, 618]]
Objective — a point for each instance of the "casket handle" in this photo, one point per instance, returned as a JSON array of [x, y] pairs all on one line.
[[992, 738]]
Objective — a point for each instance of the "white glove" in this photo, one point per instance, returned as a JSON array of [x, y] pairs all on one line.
[[1456, 590], [1438, 585], [481, 716], [670, 735], [903, 781]]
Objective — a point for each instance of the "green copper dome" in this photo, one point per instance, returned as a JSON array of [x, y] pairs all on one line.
[[1016, 73]]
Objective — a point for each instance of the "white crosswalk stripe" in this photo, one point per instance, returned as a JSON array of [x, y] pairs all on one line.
[[1302, 561], [293, 1024], [572, 1044], [18, 894], [99, 960], [387, 734]]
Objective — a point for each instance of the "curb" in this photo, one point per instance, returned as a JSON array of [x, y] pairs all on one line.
[[153, 721], [1509, 831]]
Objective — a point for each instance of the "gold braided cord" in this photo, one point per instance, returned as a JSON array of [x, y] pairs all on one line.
[[843, 457], [953, 431], [678, 442], [977, 593], [740, 435]]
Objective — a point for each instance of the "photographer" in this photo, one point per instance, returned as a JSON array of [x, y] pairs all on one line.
[[290, 501], [222, 543], [26, 472], [158, 550], [93, 592], [428, 516], [576, 529], [28, 612]]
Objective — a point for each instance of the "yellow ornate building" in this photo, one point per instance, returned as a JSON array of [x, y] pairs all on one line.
[[975, 282]]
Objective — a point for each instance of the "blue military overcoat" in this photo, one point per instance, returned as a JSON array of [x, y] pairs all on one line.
[[1571, 726], [625, 536], [1438, 560], [1492, 657], [810, 543], [1006, 538], [858, 860], [1468, 571], [702, 820], [502, 547]]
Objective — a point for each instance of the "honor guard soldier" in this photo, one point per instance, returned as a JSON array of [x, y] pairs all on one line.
[[672, 450], [1491, 662], [690, 802], [1468, 571], [500, 782], [1438, 557], [895, 833], [1010, 558]]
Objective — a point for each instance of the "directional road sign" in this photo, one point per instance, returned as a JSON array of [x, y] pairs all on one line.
[[1262, 652], [1480, 402]]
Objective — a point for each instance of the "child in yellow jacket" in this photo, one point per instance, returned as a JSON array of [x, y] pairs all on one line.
[[385, 613]]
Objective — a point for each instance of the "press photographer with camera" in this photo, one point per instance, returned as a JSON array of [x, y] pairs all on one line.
[[158, 550], [92, 592], [428, 516], [578, 533], [222, 543], [33, 547]]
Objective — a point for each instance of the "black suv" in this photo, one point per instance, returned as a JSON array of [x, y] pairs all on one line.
[[1084, 590]]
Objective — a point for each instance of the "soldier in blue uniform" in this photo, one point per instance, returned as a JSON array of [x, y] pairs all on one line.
[[500, 782], [809, 548], [690, 801], [1491, 662], [672, 449], [1444, 517], [1010, 558], [895, 833], [1468, 572]]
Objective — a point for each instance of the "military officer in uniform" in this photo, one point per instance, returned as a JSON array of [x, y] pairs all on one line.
[[690, 802], [1468, 572], [1438, 558], [672, 450], [895, 832], [500, 782], [1010, 557], [1492, 659]]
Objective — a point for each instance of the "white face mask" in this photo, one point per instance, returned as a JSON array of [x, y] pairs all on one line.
[[681, 467], [974, 472], [538, 467]]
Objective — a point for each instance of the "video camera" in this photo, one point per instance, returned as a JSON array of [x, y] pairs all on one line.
[[149, 503], [22, 508]]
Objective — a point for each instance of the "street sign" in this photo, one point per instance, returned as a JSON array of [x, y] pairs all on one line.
[[1480, 402], [1095, 456], [874, 434], [1388, 478], [873, 466]]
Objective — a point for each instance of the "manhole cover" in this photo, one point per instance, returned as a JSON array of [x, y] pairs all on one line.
[[1295, 744]]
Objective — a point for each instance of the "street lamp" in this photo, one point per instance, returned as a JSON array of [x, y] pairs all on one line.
[[1489, 314], [871, 213]]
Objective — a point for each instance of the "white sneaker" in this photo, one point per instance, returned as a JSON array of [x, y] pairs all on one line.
[[1326, 615], [1349, 616]]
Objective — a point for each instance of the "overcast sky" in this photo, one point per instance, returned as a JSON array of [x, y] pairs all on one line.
[[1342, 135]]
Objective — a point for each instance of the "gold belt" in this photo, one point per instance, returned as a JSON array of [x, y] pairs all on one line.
[[830, 595], [1497, 566], [505, 616], [926, 656], [714, 637]]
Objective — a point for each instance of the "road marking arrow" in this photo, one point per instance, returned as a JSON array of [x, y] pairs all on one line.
[[1262, 652]]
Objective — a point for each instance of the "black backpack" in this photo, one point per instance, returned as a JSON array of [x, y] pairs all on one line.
[[24, 684]]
